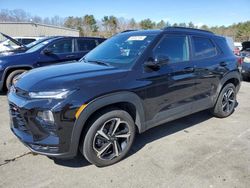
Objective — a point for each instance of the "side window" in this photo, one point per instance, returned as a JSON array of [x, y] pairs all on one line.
[[86, 44], [100, 41], [62, 46], [19, 40], [174, 47], [27, 41], [203, 48]]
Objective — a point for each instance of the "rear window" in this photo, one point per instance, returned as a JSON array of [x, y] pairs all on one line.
[[86, 44], [203, 48]]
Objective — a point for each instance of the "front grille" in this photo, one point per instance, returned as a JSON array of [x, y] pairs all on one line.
[[18, 121]]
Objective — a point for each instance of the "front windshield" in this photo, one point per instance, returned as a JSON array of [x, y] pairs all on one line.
[[38, 46], [30, 45], [121, 50]]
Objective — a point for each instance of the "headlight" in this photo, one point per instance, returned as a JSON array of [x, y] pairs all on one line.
[[59, 94]]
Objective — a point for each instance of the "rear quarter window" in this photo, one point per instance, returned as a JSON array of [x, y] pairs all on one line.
[[203, 48]]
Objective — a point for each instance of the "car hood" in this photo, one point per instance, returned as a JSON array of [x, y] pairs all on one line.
[[66, 76], [13, 40]]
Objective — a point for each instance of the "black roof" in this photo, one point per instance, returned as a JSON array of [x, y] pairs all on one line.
[[186, 29], [171, 29]]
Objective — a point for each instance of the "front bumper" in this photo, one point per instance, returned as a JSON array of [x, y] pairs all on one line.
[[51, 141]]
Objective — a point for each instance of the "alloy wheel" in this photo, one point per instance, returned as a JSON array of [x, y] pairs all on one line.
[[228, 100], [111, 139]]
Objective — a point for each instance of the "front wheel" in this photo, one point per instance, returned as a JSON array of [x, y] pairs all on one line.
[[11, 77], [109, 137], [226, 101]]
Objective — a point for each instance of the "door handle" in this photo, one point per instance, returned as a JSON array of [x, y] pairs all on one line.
[[223, 64], [189, 69], [70, 56]]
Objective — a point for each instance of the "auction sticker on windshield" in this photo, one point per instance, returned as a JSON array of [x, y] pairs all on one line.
[[138, 38]]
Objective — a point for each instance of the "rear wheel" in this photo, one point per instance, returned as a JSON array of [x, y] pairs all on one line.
[[226, 101], [109, 137], [11, 77]]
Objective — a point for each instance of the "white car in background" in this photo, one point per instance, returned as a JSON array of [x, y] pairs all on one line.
[[7, 43], [238, 45]]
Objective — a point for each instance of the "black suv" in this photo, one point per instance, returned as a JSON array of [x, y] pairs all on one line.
[[130, 83]]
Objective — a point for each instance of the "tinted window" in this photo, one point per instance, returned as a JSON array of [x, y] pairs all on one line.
[[27, 41], [203, 48], [62, 46], [86, 44], [100, 41], [174, 47]]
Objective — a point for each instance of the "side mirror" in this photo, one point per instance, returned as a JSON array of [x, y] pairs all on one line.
[[47, 51], [161, 59], [157, 61]]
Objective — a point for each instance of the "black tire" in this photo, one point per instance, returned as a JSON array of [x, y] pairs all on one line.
[[225, 104], [94, 143], [11, 76]]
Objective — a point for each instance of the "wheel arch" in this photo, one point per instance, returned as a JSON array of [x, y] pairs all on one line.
[[127, 101], [10, 69], [233, 77]]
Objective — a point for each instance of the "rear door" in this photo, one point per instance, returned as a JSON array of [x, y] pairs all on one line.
[[170, 94], [209, 68], [61, 50]]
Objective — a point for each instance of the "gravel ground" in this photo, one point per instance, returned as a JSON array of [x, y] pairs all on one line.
[[195, 151]]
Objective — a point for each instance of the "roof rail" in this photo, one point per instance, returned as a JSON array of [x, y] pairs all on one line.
[[187, 28], [128, 30]]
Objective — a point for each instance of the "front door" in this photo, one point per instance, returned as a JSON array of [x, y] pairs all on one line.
[[170, 93], [59, 51]]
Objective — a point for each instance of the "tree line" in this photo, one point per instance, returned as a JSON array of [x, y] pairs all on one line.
[[88, 25]]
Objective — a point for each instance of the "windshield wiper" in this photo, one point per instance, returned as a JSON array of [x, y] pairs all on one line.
[[97, 62]]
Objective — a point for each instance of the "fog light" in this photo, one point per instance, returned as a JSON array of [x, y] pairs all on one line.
[[46, 116]]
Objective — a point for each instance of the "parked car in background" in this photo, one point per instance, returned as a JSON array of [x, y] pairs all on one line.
[[23, 48], [130, 83], [238, 45], [52, 51], [237, 48], [27, 40], [8, 43], [245, 54], [232, 45]]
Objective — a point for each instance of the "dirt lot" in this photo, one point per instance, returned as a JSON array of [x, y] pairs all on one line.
[[195, 151]]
